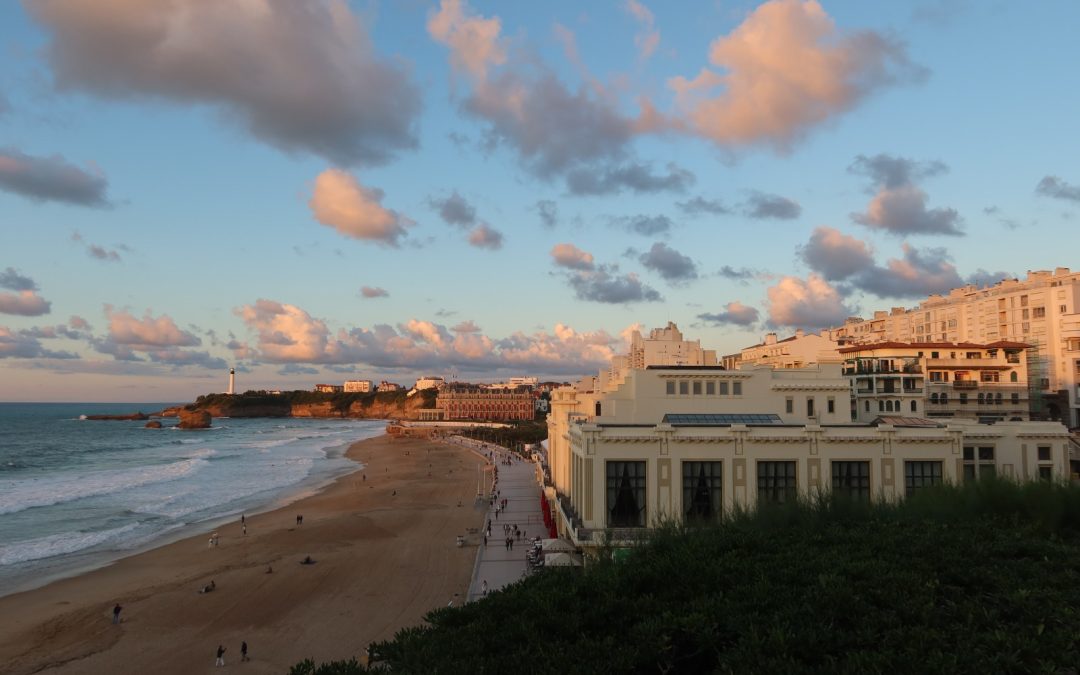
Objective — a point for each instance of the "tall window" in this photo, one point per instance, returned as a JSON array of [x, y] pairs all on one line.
[[914, 406], [710, 388], [670, 388], [736, 388], [702, 485], [919, 475], [626, 494], [809, 407], [979, 463], [697, 387], [776, 481], [852, 479], [684, 388], [831, 404], [723, 388], [789, 405]]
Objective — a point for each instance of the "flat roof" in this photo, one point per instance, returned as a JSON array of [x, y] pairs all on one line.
[[707, 419]]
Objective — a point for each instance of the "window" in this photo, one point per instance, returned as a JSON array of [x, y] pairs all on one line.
[[1062, 309], [867, 406], [881, 406], [670, 388], [888, 406], [914, 405], [702, 491], [963, 397], [852, 480], [830, 405], [776, 481], [1015, 398], [626, 494], [684, 387], [1038, 313], [809, 407], [1024, 315], [723, 388], [934, 355], [919, 475], [710, 388], [1012, 376], [1046, 473], [1044, 453], [789, 405], [1023, 300], [979, 463], [697, 388], [736, 388]]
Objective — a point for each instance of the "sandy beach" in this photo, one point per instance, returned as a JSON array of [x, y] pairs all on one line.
[[385, 551]]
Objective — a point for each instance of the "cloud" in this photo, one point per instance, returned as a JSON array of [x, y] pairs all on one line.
[[455, 210], [25, 345], [917, 274], [102, 253], [341, 202], [51, 179], [983, 278], [836, 256], [548, 212], [294, 369], [700, 205], [806, 303], [899, 205], [1054, 187], [24, 303], [760, 206], [484, 236], [636, 177], [147, 332], [783, 71], [644, 225], [669, 263], [78, 323], [735, 313], [473, 41], [742, 274], [466, 327], [374, 292], [606, 285], [572, 257], [300, 76], [648, 38], [288, 334], [186, 357], [13, 281]]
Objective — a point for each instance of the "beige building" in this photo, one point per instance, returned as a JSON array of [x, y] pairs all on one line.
[[982, 382], [799, 350], [1037, 311], [359, 386], [329, 388]]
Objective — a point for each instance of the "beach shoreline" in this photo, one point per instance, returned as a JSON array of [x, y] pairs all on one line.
[[383, 537]]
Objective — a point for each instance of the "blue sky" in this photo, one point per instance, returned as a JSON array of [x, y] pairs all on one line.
[[183, 189]]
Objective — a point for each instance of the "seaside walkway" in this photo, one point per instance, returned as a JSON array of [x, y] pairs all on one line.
[[517, 484]]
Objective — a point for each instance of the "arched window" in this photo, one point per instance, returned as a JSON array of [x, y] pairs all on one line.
[[1012, 376], [888, 406], [598, 408], [914, 406], [933, 398], [981, 397]]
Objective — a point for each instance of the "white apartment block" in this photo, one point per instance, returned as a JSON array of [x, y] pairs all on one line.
[[985, 383], [428, 382], [799, 350], [359, 386], [1040, 310]]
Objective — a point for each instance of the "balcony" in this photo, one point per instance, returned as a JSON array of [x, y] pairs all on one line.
[[913, 390], [965, 384]]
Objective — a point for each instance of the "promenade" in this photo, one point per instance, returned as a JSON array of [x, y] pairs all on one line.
[[495, 564]]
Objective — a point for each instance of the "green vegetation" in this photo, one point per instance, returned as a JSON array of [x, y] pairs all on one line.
[[513, 436], [262, 401], [971, 579]]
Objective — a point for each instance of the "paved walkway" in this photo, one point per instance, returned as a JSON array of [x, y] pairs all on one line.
[[517, 484]]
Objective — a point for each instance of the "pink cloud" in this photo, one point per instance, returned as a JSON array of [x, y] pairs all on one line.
[[783, 71], [484, 236], [126, 329], [807, 303], [568, 255], [648, 39], [473, 41], [341, 202], [24, 303]]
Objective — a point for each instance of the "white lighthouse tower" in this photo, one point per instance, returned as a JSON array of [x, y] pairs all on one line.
[[232, 381]]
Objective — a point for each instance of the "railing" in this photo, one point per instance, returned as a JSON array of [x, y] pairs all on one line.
[[965, 384], [913, 390]]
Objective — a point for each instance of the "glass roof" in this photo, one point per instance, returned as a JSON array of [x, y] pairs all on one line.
[[717, 418]]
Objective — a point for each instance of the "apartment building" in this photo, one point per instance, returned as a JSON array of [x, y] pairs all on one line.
[[797, 351], [939, 380], [329, 388], [359, 386], [472, 402], [1040, 311]]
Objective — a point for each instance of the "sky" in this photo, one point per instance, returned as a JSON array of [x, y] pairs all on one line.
[[313, 191]]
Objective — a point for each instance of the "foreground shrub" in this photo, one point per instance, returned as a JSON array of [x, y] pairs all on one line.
[[975, 579]]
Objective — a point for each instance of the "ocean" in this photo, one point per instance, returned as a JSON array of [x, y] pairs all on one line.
[[76, 494]]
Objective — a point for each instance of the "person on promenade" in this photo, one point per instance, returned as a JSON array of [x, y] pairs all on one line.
[[483, 588], [244, 528], [243, 651], [116, 613], [220, 656]]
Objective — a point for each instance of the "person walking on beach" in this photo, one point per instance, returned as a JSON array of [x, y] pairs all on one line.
[[243, 652], [243, 519], [220, 656], [116, 613]]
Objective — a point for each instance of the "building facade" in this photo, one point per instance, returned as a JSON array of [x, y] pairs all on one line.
[[428, 382], [389, 386], [359, 386], [1040, 310], [798, 351], [982, 382], [466, 402], [328, 388]]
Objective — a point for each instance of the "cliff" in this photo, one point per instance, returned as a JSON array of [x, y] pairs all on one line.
[[387, 405]]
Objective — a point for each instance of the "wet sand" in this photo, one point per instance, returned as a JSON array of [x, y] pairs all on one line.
[[383, 560]]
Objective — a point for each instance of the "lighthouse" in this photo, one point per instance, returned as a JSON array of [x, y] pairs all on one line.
[[232, 381]]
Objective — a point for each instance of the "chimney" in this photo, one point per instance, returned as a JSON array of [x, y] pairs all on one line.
[[770, 338]]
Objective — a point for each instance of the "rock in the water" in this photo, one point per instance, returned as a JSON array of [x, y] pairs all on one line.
[[139, 416], [153, 424], [194, 419]]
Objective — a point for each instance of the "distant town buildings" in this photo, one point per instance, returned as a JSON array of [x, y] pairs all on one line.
[[329, 388], [799, 350], [359, 386], [428, 382], [389, 386]]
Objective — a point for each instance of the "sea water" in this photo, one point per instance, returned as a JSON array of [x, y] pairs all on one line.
[[76, 493]]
